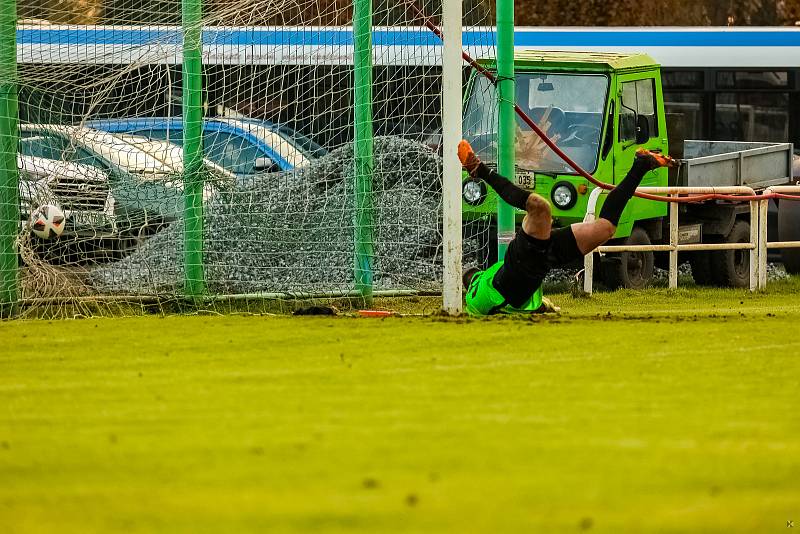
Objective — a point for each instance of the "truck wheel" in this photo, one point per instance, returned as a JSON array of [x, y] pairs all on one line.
[[732, 267], [789, 230], [702, 271], [633, 270]]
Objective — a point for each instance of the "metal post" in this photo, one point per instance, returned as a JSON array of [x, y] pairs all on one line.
[[588, 259], [754, 252], [9, 177], [506, 116], [588, 264], [451, 167], [191, 13], [673, 242], [362, 96], [763, 208]]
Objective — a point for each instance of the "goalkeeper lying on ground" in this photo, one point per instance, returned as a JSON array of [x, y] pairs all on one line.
[[512, 284]]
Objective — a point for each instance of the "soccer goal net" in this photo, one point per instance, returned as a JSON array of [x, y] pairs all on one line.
[[228, 150]]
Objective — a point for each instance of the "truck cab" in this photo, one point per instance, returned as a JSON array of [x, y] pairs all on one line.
[[599, 108]]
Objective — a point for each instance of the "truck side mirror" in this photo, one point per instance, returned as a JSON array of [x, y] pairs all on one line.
[[642, 129]]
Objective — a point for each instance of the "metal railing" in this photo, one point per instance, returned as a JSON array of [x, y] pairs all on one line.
[[763, 242], [757, 267]]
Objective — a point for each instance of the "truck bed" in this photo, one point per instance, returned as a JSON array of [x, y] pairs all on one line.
[[733, 163]]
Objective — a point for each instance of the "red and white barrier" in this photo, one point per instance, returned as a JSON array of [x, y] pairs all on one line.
[[763, 243], [755, 246]]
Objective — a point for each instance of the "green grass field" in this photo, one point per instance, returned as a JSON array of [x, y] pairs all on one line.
[[629, 412]]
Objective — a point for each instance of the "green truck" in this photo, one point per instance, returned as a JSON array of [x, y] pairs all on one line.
[[600, 108]]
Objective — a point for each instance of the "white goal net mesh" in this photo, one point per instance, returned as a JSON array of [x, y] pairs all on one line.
[[100, 88]]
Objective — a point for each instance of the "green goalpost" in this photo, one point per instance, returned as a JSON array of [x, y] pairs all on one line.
[[364, 165], [192, 29], [9, 203]]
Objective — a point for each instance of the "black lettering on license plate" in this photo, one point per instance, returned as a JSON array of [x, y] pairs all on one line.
[[526, 180]]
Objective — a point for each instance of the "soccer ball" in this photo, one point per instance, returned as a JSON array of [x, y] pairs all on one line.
[[48, 221]]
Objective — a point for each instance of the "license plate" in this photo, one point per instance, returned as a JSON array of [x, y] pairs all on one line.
[[689, 233], [526, 180], [95, 220]]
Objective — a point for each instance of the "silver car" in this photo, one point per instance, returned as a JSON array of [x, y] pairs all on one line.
[[81, 191]]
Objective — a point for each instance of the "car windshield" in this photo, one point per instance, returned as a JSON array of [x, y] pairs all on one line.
[[167, 154], [302, 142], [85, 145], [283, 147], [171, 154], [568, 107]]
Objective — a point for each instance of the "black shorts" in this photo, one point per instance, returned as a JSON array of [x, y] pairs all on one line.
[[528, 260]]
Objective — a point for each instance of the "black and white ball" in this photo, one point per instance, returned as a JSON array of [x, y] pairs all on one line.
[[48, 221]]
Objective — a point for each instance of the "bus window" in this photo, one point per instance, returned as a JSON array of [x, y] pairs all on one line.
[[751, 80], [692, 79], [757, 116], [689, 106]]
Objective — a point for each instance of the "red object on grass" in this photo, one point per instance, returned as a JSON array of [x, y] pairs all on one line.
[[375, 313]]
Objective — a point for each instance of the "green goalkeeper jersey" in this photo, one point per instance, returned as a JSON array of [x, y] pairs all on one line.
[[484, 299]]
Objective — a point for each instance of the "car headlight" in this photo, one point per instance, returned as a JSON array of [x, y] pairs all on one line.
[[473, 191], [564, 195]]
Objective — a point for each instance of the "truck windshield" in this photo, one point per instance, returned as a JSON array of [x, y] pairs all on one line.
[[568, 107]]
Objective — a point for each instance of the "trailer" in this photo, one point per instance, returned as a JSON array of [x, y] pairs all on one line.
[[733, 163], [726, 164]]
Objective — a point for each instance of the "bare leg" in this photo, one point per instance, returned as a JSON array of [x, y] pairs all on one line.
[[538, 223], [590, 235], [538, 220]]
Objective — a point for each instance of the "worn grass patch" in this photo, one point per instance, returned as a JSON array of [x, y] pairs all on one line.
[[629, 412]]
